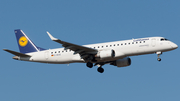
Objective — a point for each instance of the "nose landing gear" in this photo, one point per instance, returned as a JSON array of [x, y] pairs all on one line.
[[159, 53], [159, 59]]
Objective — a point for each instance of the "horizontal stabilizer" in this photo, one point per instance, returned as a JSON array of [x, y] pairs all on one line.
[[16, 53]]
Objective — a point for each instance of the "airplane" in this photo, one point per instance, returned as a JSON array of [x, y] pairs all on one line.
[[115, 53]]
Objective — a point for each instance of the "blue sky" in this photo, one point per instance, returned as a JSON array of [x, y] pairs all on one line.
[[85, 22]]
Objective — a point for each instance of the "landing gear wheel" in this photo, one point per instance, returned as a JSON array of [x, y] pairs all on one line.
[[89, 64], [100, 70], [159, 59]]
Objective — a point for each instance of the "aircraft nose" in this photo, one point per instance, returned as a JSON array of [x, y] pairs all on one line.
[[174, 46]]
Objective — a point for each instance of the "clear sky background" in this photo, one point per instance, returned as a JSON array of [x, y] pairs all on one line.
[[85, 22]]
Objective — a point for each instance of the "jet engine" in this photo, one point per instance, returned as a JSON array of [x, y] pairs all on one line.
[[122, 62], [105, 54]]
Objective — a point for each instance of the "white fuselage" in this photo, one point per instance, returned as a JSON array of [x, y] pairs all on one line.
[[123, 48]]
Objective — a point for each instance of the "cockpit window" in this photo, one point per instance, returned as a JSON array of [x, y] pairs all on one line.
[[164, 39]]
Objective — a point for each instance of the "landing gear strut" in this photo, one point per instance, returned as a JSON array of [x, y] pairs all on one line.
[[159, 53]]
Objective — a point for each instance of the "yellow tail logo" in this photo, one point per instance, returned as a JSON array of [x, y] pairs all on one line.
[[23, 41]]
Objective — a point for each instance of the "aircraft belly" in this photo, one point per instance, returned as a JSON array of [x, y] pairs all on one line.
[[65, 59]]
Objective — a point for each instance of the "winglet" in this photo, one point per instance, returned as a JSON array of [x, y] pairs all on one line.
[[52, 38]]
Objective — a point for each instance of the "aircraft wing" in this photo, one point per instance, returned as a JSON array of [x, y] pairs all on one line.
[[76, 48]]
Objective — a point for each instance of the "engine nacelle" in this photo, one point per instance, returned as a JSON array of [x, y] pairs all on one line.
[[122, 62], [105, 54]]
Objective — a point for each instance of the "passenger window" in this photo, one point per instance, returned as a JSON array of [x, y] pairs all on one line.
[[132, 42], [106, 45]]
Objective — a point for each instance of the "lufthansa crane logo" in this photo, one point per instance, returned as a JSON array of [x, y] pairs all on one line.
[[23, 41]]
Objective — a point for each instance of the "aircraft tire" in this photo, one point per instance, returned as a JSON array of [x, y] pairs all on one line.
[[159, 59], [89, 64], [100, 70]]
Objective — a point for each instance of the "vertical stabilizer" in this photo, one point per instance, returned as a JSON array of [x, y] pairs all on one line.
[[24, 43]]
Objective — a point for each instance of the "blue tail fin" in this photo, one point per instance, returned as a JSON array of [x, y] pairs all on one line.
[[24, 43]]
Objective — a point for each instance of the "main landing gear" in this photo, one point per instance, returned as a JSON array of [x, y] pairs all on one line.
[[99, 69], [89, 64], [159, 53]]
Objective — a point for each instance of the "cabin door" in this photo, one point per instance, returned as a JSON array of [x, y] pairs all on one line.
[[46, 55], [153, 42]]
